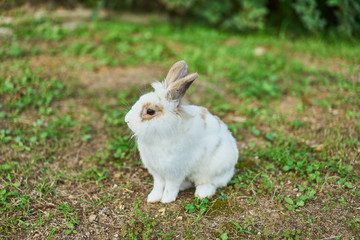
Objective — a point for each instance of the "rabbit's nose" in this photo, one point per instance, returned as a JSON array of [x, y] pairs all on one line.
[[127, 118]]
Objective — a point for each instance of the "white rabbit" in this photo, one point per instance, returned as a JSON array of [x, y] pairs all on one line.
[[181, 145]]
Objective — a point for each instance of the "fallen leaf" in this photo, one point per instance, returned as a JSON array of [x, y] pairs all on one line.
[[259, 51], [306, 101], [92, 218], [317, 147], [162, 211], [237, 119]]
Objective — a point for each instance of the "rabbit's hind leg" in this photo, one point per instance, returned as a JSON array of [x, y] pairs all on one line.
[[205, 190], [222, 180]]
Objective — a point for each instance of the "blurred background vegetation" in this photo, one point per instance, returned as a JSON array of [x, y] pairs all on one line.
[[337, 18]]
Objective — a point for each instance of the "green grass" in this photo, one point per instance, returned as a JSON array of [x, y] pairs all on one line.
[[69, 167]]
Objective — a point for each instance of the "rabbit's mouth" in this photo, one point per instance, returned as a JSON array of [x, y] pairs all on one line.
[[128, 122], [130, 126]]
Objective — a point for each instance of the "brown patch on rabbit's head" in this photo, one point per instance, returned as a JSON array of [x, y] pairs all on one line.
[[150, 111]]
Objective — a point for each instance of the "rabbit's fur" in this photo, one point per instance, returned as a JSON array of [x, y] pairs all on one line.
[[181, 145]]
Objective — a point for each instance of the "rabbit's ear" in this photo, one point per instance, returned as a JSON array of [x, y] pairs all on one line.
[[179, 88], [177, 71]]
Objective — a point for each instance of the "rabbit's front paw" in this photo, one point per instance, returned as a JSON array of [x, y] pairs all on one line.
[[171, 191], [169, 197], [154, 196], [170, 194]]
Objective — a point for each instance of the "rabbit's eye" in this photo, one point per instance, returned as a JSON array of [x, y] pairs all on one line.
[[150, 111]]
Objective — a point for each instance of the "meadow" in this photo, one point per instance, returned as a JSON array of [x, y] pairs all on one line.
[[70, 170]]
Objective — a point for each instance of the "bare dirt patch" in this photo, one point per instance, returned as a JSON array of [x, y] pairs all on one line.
[[120, 78], [332, 65], [327, 127]]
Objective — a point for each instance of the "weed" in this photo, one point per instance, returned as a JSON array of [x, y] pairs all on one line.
[[241, 230], [29, 90], [200, 206]]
